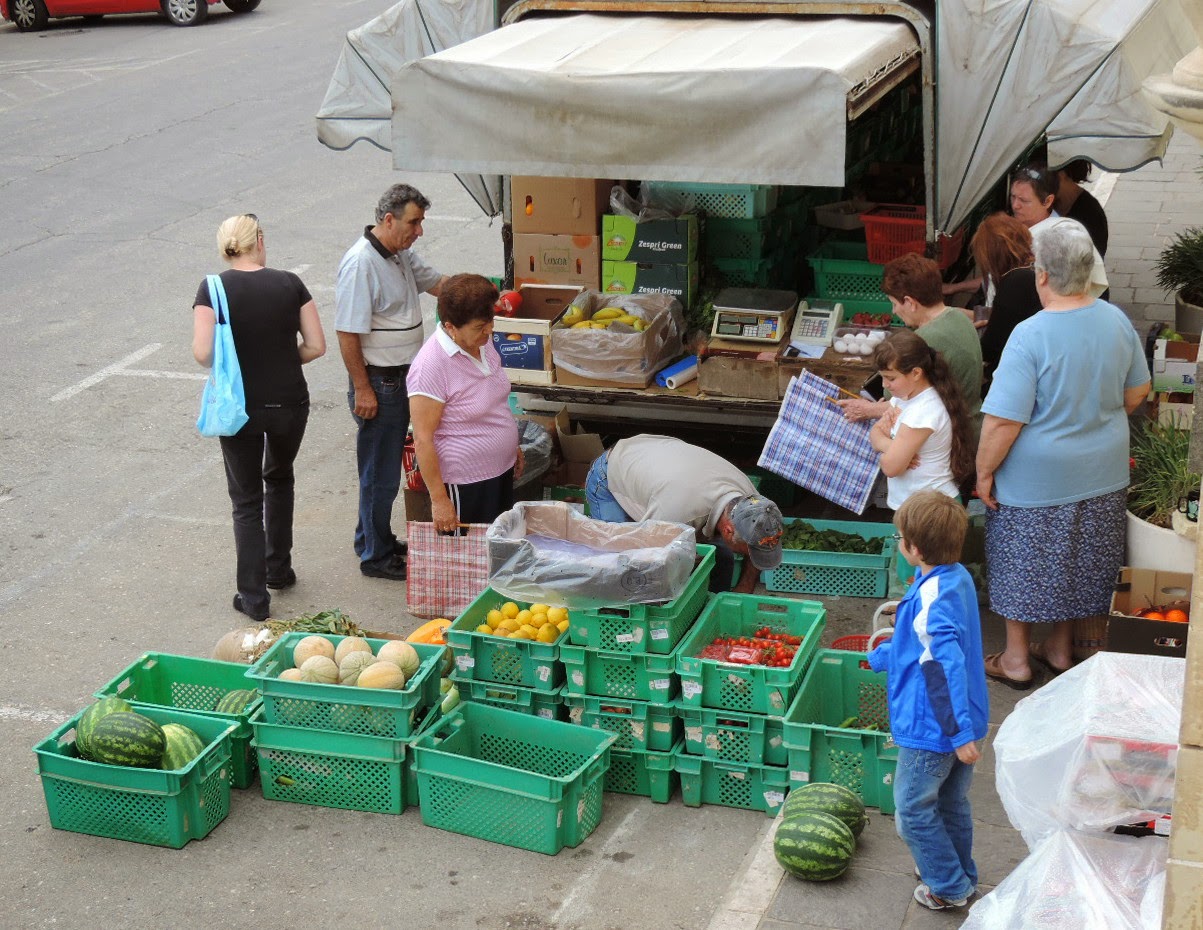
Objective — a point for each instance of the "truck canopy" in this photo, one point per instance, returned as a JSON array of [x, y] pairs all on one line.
[[753, 99]]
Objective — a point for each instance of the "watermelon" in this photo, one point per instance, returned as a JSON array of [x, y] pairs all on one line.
[[183, 745], [126, 738], [832, 799], [91, 716], [235, 702], [814, 846]]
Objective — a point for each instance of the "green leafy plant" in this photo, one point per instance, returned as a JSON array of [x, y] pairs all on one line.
[[1180, 266], [1160, 476]]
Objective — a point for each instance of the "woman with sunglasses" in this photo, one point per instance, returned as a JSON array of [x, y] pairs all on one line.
[[268, 310], [1034, 192]]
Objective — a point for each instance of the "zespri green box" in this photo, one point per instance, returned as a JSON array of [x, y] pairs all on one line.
[[679, 281], [660, 241]]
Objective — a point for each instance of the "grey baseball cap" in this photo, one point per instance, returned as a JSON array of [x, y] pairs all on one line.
[[758, 522]]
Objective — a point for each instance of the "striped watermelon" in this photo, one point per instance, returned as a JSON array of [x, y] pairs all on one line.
[[814, 846], [92, 716], [235, 702], [183, 745], [832, 799], [126, 738]]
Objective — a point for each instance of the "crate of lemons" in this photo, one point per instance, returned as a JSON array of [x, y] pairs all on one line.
[[615, 319], [538, 623]]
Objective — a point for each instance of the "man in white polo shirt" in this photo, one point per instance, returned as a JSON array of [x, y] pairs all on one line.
[[651, 477], [378, 318]]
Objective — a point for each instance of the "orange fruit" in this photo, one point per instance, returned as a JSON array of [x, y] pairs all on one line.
[[1177, 616], [1153, 615]]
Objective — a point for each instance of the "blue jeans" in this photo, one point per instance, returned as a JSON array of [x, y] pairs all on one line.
[[378, 448], [931, 792], [602, 505]]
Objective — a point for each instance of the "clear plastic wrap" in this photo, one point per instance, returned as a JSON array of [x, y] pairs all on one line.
[[1094, 749], [535, 443], [545, 551], [1080, 881], [620, 353]]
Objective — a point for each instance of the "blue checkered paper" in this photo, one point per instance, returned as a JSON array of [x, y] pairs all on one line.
[[814, 446]]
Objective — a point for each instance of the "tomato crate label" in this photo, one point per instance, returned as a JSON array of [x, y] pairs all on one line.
[[545, 713], [463, 663], [625, 638], [774, 798], [660, 633], [663, 726], [543, 673], [637, 730], [691, 689], [799, 776], [660, 684], [578, 678]]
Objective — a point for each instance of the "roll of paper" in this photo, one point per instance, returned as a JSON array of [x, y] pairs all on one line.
[[679, 373]]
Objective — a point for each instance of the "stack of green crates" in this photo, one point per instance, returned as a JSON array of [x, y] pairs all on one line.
[[734, 750], [621, 677], [340, 745]]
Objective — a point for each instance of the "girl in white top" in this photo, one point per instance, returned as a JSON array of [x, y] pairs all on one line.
[[925, 439]]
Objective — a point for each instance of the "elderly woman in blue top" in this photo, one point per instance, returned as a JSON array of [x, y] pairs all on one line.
[[1052, 465]]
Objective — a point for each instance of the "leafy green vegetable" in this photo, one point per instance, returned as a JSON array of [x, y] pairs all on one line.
[[802, 535]]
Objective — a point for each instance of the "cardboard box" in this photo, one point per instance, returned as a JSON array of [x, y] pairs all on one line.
[[564, 376], [1183, 908], [679, 281], [738, 369], [845, 371], [523, 342], [1177, 410], [1174, 365], [417, 506], [1186, 837], [663, 241], [561, 206], [1136, 589], [541, 258], [1192, 697]]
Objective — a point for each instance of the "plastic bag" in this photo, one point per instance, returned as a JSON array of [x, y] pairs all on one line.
[[640, 210], [620, 353], [223, 400], [535, 443], [1095, 748], [547, 552], [1080, 881]]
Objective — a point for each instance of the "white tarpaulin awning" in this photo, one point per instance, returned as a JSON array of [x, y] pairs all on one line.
[[721, 99]]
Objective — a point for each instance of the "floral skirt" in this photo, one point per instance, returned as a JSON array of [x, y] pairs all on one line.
[[1046, 564]]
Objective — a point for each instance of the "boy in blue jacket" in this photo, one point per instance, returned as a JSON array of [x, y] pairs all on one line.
[[936, 685]]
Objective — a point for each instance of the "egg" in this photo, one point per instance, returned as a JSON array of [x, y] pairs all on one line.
[[840, 345], [866, 348], [878, 335]]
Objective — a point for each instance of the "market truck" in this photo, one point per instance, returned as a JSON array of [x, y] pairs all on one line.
[[780, 107]]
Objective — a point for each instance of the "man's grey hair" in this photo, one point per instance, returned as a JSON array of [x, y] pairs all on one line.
[[397, 198], [1064, 250]]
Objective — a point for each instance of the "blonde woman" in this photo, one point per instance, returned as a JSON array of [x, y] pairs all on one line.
[[268, 310]]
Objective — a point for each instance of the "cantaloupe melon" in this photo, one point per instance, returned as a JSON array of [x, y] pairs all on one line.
[[352, 666], [319, 670], [312, 646], [382, 675], [401, 654], [291, 674], [347, 646]]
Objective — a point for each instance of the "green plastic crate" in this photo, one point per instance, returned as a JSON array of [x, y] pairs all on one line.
[[745, 238], [750, 689], [780, 491], [836, 688], [647, 774], [743, 272], [152, 806], [511, 697], [843, 271], [637, 724], [715, 200], [751, 787], [345, 708], [486, 657], [846, 574], [729, 736], [645, 628], [620, 674], [567, 492], [188, 683], [512, 778], [328, 768]]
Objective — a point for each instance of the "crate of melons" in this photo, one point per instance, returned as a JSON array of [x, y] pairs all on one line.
[[509, 642], [152, 775], [352, 684]]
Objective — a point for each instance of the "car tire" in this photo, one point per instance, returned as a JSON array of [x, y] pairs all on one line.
[[241, 6], [186, 12], [28, 15], [93, 18]]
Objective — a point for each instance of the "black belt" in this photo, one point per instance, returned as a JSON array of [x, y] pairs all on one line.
[[387, 371]]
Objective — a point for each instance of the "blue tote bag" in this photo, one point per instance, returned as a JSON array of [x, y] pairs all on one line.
[[223, 403]]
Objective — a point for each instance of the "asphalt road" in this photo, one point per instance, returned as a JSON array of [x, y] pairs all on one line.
[[122, 147]]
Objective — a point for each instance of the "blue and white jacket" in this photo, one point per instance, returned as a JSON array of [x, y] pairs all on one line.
[[936, 679]]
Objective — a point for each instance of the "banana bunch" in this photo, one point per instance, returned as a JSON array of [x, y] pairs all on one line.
[[603, 319]]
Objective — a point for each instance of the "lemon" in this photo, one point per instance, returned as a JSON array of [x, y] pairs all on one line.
[[537, 619], [562, 625], [501, 631], [521, 634], [539, 608], [510, 624], [555, 614], [484, 628], [523, 616], [530, 631], [494, 617], [509, 609], [548, 634]]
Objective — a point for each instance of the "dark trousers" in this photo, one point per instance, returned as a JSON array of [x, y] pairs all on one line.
[[378, 447], [259, 476]]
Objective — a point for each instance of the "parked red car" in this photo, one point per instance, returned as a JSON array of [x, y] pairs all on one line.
[[31, 15]]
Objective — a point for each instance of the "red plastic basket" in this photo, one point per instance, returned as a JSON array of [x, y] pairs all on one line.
[[409, 465], [852, 643], [894, 229]]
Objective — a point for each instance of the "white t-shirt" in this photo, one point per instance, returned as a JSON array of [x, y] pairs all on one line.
[[924, 411]]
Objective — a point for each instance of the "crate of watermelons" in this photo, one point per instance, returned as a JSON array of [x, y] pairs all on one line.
[[203, 686], [834, 557], [116, 788]]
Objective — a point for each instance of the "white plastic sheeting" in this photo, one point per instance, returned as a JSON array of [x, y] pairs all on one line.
[[723, 99]]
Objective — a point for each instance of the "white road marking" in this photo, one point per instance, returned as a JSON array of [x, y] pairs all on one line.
[[178, 518], [148, 373], [107, 372], [19, 712], [751, 891], [568, 911], [300, 269]]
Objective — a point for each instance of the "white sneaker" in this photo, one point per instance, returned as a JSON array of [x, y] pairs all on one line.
[[934, 902]]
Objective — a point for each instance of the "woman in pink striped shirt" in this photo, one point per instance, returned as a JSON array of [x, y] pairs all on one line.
[[465, 436]]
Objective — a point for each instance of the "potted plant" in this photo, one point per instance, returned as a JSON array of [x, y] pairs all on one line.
[[1180, 272], [1160, 478]]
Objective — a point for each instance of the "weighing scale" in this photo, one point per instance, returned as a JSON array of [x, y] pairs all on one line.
[[748, 314], [815, 325]]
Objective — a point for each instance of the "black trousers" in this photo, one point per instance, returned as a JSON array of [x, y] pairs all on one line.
[[260, 479]]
